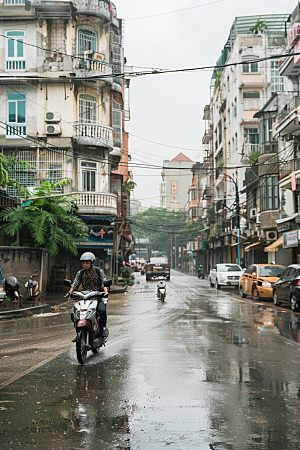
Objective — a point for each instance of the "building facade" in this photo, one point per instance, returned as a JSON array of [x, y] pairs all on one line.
[[176, 177], [62, 108]]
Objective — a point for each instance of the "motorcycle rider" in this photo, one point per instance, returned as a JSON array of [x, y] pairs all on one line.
[[92, 279]]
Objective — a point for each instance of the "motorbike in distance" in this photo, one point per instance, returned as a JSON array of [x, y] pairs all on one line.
[[200, 272], [161, 288], [32, 287], [86, 320]]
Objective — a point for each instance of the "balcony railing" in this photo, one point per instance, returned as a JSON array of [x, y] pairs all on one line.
[[97, 203], [250, 148], [101, 134], [287, 109], [268, 147], [289, 167], [84, 63]]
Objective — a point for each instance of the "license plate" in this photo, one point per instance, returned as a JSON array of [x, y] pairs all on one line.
[[234, 283]]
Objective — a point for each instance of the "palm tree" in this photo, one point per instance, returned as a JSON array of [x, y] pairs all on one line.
[[49, 222]]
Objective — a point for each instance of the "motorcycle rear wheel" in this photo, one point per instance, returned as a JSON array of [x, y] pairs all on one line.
[[81, 346]]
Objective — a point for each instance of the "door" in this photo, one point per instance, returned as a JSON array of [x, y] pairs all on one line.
[[249, 280], [282, 285]]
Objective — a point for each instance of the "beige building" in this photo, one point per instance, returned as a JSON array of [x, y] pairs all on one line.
[[62, 105]]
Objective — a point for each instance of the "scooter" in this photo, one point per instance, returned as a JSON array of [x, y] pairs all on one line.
[[12, 289], [32, 287], [161, 289], [86, 322]]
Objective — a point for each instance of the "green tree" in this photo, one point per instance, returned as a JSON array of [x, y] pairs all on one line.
[[49, 222], [161, 227]]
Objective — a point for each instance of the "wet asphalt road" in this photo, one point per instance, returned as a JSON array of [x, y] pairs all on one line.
[[205, 370]]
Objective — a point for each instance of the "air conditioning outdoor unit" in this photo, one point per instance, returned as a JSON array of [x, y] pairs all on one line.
[[53, 129], [52, 117], [252, 213], [271, 235]]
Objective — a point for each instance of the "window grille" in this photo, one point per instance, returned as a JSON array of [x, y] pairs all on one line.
[[117, 123], [86, 41], [50, 167], [277, 82], [15, 2], [116, 52]]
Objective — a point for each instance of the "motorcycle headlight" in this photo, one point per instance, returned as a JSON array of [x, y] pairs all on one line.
[[266, 284]]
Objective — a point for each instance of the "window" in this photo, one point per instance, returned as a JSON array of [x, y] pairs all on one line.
[[250, 67], [87, 109], [117, 123], [14, 2], [88, 176], [251, 136], [269, 193], [277, 82], [15, 57], [86, 41], [16, 121]]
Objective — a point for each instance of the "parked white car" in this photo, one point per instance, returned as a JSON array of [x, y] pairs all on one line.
[[225, 275]]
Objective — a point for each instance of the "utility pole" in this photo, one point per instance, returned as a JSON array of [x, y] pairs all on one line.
[[237, 209], [171, 251]]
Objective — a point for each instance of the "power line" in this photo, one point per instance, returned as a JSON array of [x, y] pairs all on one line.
[[174, 11]]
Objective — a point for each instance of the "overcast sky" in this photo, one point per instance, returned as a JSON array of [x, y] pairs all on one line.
[[168, 108]]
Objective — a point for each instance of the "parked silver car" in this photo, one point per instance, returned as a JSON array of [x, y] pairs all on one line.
[[226, 274]]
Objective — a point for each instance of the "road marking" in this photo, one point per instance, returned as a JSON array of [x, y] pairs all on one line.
[[31, 369]]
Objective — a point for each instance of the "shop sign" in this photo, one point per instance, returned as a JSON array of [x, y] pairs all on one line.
[[290, 239], [284, 227]]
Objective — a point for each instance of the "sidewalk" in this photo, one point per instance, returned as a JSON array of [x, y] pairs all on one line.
[[45, 308]]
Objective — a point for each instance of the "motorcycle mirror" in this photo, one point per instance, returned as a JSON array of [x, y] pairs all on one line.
[[107, 283], [67, 283]]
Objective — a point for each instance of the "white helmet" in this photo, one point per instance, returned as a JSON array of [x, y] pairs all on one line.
[[88, 256]]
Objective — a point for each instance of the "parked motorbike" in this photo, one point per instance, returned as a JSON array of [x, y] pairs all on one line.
[[200, 272], [32, 287], [12, 289], [86, 321], [161, 289]]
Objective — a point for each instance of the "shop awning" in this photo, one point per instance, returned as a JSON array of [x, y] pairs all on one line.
[[274, 246], [244, 241], [251, 246]]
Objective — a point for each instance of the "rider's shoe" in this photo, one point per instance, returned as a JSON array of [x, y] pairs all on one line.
[[74, 339], [105, 333]]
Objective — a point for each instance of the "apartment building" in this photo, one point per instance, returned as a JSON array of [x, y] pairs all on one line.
[[62, 108], [244, 80], [176, 178], [286, 128]]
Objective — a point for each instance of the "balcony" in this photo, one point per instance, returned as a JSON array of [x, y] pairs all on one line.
[[287, 120], [268, 147], [93, 134], [285, 171], [92, 64], [250, 148], [207, 137], [97, 203]]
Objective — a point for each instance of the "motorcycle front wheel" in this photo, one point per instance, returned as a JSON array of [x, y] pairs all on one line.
[[81, 346]]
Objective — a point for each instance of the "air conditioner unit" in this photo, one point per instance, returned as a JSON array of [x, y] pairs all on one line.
[[252, 213], [52, 117], [271, 235], [53, 129], [257, 218]]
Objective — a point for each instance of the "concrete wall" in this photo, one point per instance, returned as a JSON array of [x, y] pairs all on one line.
[[21, 262]]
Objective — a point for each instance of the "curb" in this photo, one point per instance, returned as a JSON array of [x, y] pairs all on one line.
[[24, 312]]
